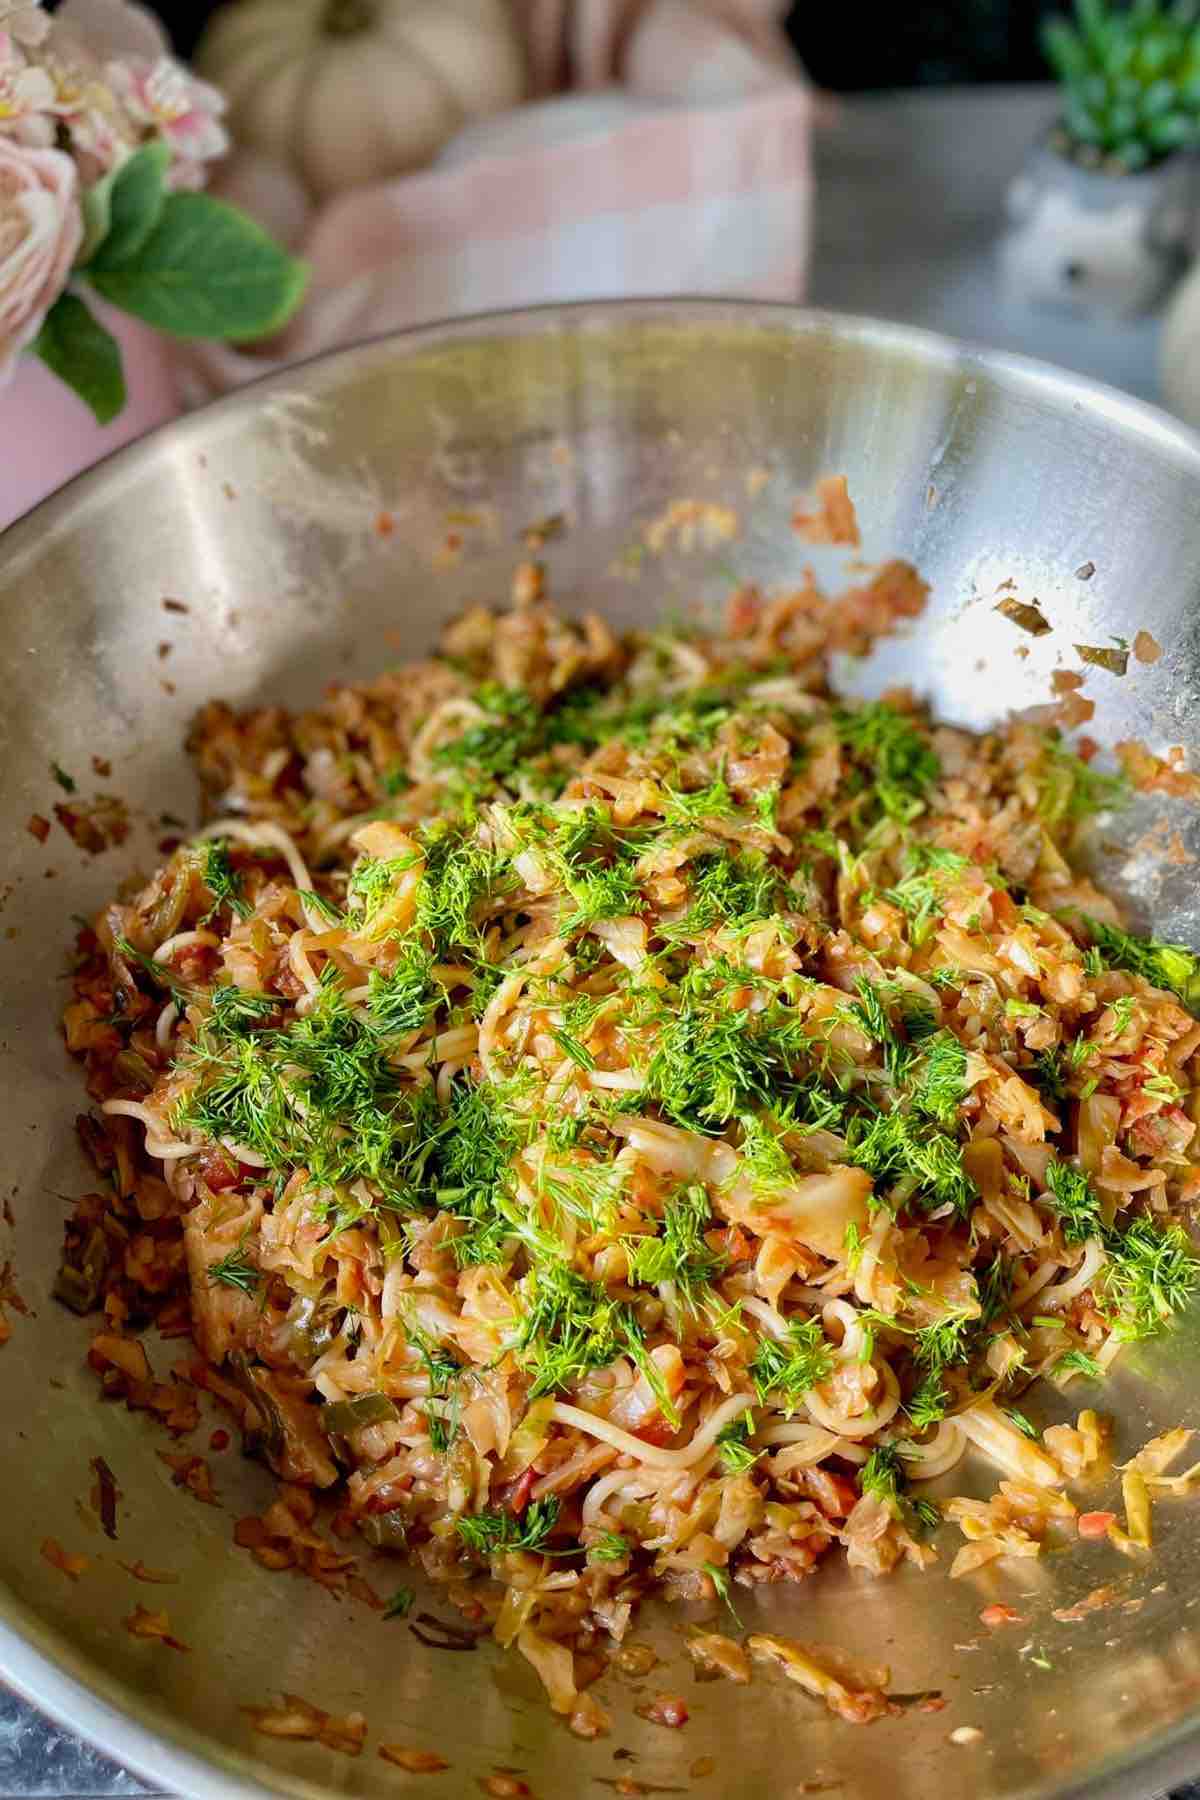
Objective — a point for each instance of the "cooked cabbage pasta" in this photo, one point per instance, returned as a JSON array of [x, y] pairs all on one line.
[[617, 1114]]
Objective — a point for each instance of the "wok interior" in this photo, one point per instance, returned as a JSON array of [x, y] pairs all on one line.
[[322, 526]]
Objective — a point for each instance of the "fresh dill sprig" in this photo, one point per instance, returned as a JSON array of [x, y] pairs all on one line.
[[901, 761], [235, 1270], [736, 889], [1170, 966], [401, 999], [222, 880], [609, 1546], [328, 911], [871, 1016], [939, 1092], [939, 1345], [1149, 1276], [570, 1325], [157, 971], [235, 1010], [493, 1532], [679, 1253], [912, 1159], [720, 1580], [1078, 1362], [1075, 1200], [882, 1476], [687, 811], [715, 1060], [785, 1368], [926, 1405], [920, 894], [733, 1449]]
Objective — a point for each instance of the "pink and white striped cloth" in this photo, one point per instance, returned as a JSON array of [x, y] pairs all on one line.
[[666, 150]]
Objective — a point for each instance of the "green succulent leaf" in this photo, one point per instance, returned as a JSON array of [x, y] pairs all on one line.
[[1131, 78]]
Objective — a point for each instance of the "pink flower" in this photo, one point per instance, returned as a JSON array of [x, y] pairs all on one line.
[[40, 231], [165, 98], [26, 93]]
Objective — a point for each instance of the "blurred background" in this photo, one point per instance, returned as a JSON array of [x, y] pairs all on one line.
[[926, 183], [923, 44]]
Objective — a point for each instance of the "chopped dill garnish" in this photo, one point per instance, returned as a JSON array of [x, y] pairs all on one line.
[[942, 1084], [1025, 1426], [223, 881], [901, 761], [679, 1253], [912, 1159], [1150, 1274], [919, 895], [400, 1604], [235, 1270], [401, 999], [871, 1016], [882, 1476], [785, 1368], [318, 902], [1171, 966], [1048, 1073], [66, 782], [572, 1048], [733, 1449], [1075, 1201], [926, 1405], [610, 1546], [1077, 1362], [570, 1325], [318, 1095], [493, 1532], [459, 873], [714, 1060], [158, 971], [720, 1580], [937, 1346], [735, 889], [926, 1515], [235, 1010], [690, 810]]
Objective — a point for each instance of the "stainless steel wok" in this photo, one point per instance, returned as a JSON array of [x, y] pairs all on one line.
[[317, 527]]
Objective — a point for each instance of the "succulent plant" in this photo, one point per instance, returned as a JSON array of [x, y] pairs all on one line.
[[1131, 80]]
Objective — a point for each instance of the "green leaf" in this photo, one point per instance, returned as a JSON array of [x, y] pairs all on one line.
[[1172, 132], [1064, 52], [96, 205], [134, 202], [206, 271], [76, 347]]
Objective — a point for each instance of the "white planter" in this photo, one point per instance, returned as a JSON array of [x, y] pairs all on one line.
[[1093, 244]]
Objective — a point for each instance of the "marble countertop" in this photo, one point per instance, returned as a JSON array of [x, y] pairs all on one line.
[[910, 198]]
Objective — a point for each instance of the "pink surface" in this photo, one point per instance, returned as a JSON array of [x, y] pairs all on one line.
[[49, 435]]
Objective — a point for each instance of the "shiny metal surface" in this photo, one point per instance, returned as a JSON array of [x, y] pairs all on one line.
[[262, 516]]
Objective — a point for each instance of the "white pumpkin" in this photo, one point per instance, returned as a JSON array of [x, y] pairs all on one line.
[[354, 91]]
